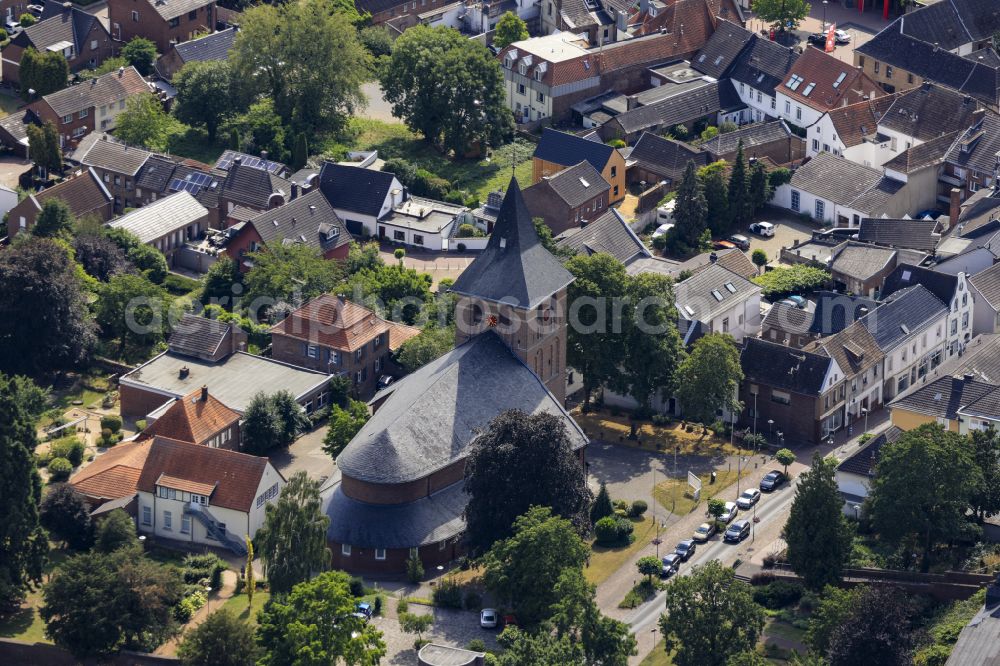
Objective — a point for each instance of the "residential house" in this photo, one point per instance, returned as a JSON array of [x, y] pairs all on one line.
[[861, 269], [855, 474], [720, 301], [8, 199], [773, 140], [826, 313], [926, 113], [971, 160], [197, 418], [817, 83], [920, 167], [83, 192], [63, 28], [305, 220], [801, 393], [851, 131], [214, 47], [859, 355], [92, 105], [654, 159], [958, 403], [570, 198], [950, 288], [252, 186], [985, 290], [756, 73], [731, 259], [208, 339], [116, 164], [608, 234], [920, 235], [333, 335], [234, 377], [423, 223], [360, 197], [833, 190], [204, 496], [167, 224], [557, 151], [164, 22], [162, 176], [113, 475]]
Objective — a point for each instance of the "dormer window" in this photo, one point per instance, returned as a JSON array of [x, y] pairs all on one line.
[[523, 68], [538, 74], [508, 63]]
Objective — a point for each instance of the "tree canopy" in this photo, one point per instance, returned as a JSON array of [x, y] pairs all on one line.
[[528, 461], [65, 514], [145, 123], [875, 631], [431, 343], [690, 214], [709, 377], [785, 280], [46, 152], [42, 73], [290, 274], [133, 311], [141, 54], [54, 220], [221, 640], [510, 28], [343, 425], [782, 14], [114, 532], [204, 95]]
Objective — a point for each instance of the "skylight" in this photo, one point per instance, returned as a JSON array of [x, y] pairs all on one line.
[[687, 308], [584, 182], [795, 82], [731, 287], [760, 78], [701, 58], [809, 89], [904, 328], [840, 79], [718, 59], [717, 295], [906, 275]]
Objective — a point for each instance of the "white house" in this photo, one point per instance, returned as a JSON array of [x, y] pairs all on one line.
[[719, 301], [756, 74], [951, 289], [166, 224], [204, 495], [852, 132], [854, 475]]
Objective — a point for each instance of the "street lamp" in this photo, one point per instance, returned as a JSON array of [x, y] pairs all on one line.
[[857, 511], [770, 428], [208, 599], [755, 413], [825, 3], [865, 412]]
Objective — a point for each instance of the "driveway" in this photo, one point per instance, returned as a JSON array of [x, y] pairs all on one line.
[[11, 169], [439, 265], [306, 454], [787, 230], [451, 627]]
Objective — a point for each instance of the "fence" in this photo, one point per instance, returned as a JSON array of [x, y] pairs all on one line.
[[949, 585]]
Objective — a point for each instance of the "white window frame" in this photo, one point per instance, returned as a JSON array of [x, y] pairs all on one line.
[[380, 554], [345, 549]]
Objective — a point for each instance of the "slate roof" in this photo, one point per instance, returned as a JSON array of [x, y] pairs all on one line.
[[14, 124], [576, 185], [112, 474], [821, 81], [721, 50], [252, 187], [834, 311], [665, 157], [355, 189], [985, 55], [763, 65], [783, 368], [107, 153], [197, 336], [922, 155], [862, 262], [841, 181], [83, 194], [756, 134], [170, 9], [428, 419], [235, 476], [711, 292], [987, 283], [210, 47], [58, 25], [105, 89], [706, 100], [943, 397], [877, 198], [986, 407], [162, 217], [156, 173], [856, 121], [568, 149], [942, 285], [191, 419], [953, 23], [306, 220], [979, 642], [854, 348], [928, 111], [978, 213], [333, 321], [863, 462], [903, 314], [923, 59], [977, 147], [514, 268], [787, 317], [608, 234], [912, 234]]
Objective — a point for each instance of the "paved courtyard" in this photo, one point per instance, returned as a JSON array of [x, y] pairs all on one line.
[[439, 265], [451, 627], [788, 230]]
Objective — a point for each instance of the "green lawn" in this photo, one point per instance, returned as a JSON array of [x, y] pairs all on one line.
[[194, 144], [658, 657], [237, 605], [604, 561], [9, 104], [478, 177], [25, 624], [675, 495]]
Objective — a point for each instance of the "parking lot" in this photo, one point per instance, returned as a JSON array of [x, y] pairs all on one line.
[[787, 230]]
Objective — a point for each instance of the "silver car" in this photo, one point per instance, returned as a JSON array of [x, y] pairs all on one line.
[[748, 499]]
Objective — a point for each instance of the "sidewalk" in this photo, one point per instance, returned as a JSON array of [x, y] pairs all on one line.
[[215, 602]]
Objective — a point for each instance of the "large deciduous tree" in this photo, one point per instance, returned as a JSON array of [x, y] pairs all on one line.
[[204, 96], [114, 532], [65, 514], [316, 625], [709, 377], [304, 57], [923, 488], [510, 28], [523, 569], [431, 343], [710, 617], [145, 123], [986, 452], [55, 220], [876, 631], [575, 615], [221, 640], [100, 257], [447, 87], [819, 541], [133, 311], [781, 13], [292, 274], [344, 424], [140, 53], [44, 319], [528, 461], [292, 542]]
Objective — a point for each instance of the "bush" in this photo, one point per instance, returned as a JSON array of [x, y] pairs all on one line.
[[357, 586], [619, 504], [777, 594], [3, 35], [448, 594], [405, 172], [616, 143], [764, 578], [427, 184], [377, 606], [638, 508], [376, 40], [473, 601], [70, 448], [188, 606], [468, 231], [112, 422], [933, 655], [660, 419], [612, 530], [207, 567], [460, 247], [402, 607], [59, 469], [783, 280], [414, 568], [140, 425], [476, 645], [27, 19]]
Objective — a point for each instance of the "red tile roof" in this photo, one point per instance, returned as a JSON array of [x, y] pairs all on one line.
[[83, 194], [234, 476], [822, 71], [333, 321], [853, 121], [192, 419], [113, 474]]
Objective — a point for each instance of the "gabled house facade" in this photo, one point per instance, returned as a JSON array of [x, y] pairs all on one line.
[[164, 22], [116, 164], [720, 301], [570, 198], [209, 48], [197, 418], [84, 193], [557, 151], [951, 289], [851, 131]]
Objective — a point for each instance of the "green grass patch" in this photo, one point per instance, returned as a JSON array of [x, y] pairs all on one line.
[[194, 144], [179, 285], [238, 606], [24, 623], [605, 560], [423, 601], [640, 594], [675, 495], [659, 656]]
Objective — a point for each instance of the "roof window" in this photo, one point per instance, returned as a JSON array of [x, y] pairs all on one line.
[[795, 82], [808, 89], [840, 79], [717, 295]]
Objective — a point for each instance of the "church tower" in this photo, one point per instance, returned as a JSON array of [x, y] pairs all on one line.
[[517, 289]]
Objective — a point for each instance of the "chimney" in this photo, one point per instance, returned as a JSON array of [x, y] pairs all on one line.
[[184, 372], [954, 207], [204, 393], [121, 72], [295, 191], [968, 378], [713, 257], [396, 197], [977, 117], [67, 6]]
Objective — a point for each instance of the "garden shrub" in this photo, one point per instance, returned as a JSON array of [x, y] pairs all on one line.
[[427, 184], [606, 531], [616, 143], [377, 606], [206, 567], [476, 645], [448, 594], [932, 655], [402, 607], [619, 504], [357, 586], [638, 508], [188, 606], [777, 594], [70, 448], [140, 425], [59, 469], [111, 422]]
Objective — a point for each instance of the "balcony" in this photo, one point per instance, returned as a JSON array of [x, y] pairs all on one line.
[[951, 180]]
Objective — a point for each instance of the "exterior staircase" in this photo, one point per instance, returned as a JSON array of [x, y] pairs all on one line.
[[202, 515]]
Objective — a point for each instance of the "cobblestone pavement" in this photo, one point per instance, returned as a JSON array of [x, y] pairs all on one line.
[[451, 627]]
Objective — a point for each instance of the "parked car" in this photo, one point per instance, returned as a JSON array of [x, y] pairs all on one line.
[[12, 25], [737, 531], [817, 39], [730, 513], [704, 532], [686, 549], [363, 611], [748, 499], [671, 565], [489, 618], [740, 241], [842, 36], [762, 229], [36, 10], [723, 245], [772, 480], [798, 301]]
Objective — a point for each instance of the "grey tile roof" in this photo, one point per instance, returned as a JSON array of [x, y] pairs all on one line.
[[922, 155], [987, 283], [903, 314], [834, 311], [665, 157], [943, 397], [986, 407], [430, 418], [721, 50], [979, 642], [763, 65], [577, 184], [711, 292], [982, 359], [863, 462], [252, 187], [608, 234], [355, 189], [568, 149], [115, 156], [783, 368], [977, 147], [156, 173], [862, 261], [854, 349], [706, 100], [787, 317], [112, 87], [754, 135], [210, 47], [170, 9], [197, 336], [426, 521], [985, 55], [14, 124], [514, 268], [953, 23], [162, 217], [58, 24], [928, 111], [979, 213], [913, 234], [835, 179], [307, 220], [876, 198], [942, 285]]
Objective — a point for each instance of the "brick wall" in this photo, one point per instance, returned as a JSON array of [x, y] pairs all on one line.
[[291, 350], [148, 23], [136, 403], [797, 420], [362, 560]]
